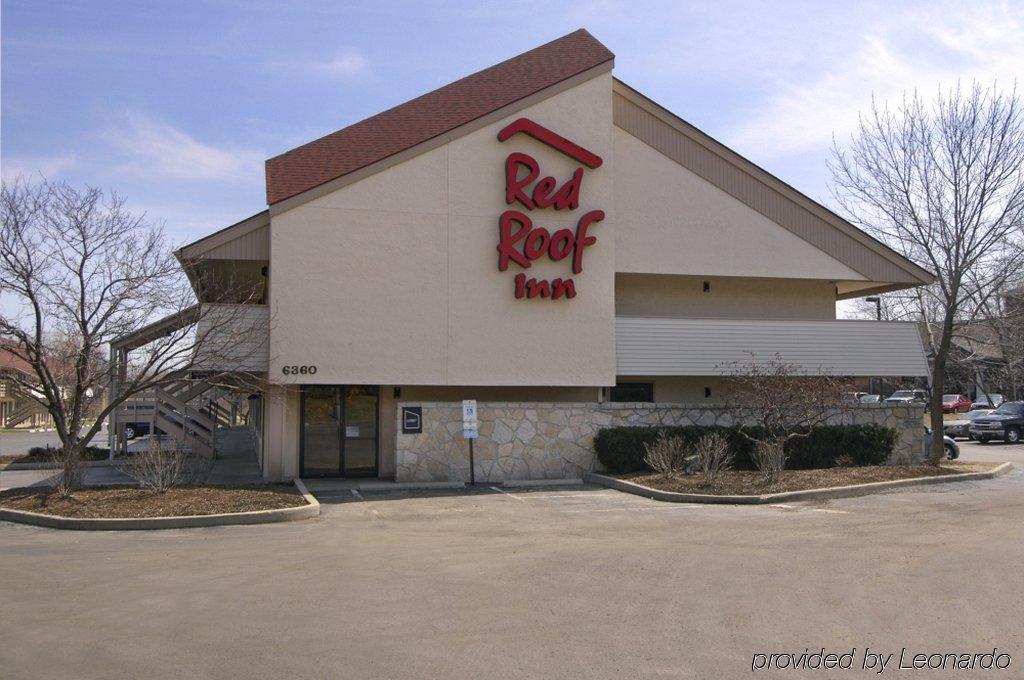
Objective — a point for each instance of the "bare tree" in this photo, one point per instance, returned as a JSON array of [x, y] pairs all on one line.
[[1001, 333], [79, 271], [783, 402], [942, 184]]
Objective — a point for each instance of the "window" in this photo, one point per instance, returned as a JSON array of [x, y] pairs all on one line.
[[632, 392]]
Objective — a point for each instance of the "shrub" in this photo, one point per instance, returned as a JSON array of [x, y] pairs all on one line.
[[713, 456], [621, 449], [42, 453], [665, 455], [770, 457], [47, 453], [160, 467]]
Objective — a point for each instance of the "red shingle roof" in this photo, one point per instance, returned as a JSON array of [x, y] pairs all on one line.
[[432, 114], [9, 361]]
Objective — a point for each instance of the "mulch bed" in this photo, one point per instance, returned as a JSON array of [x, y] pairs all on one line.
[[751, 483], [135, 502]]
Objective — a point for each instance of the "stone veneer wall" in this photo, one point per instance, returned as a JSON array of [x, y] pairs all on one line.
[[540, 440]]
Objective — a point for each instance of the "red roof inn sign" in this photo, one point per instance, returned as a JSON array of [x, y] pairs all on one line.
[[519, 240]]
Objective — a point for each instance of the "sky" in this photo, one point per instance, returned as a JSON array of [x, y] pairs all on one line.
[[175, 105]]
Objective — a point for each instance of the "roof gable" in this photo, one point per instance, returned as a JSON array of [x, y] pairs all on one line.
[[673, 137], [432, 114]]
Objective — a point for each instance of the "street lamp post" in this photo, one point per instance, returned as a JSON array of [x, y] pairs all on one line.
[[877, 299]]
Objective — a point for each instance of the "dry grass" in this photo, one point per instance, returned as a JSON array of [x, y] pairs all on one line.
[[134, 502], [752, 483]]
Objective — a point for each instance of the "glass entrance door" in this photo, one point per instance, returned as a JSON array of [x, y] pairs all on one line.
[[339, 431]]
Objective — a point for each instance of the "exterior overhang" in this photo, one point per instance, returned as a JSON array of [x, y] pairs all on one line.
[[240, 236], [849, 290], [158, 329], [649, 346], [220, 256]]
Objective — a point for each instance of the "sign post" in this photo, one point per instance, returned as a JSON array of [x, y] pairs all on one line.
[[470, 431]]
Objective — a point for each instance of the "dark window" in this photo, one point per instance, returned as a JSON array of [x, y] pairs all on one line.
[[633, 392]]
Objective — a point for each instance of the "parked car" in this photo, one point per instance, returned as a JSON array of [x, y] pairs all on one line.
[[871, 399], [133, 430], [908, 397], [956, 403], [1006, 423], [950, 446], [989, 401], [961, 427]]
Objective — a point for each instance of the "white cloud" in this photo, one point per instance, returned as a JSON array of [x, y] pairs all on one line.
[[32, 167], [346, 64], [156, 148], [920, 50]]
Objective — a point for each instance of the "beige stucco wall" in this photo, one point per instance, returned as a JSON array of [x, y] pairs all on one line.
[[728, 297], [394, 279], [672, 221]]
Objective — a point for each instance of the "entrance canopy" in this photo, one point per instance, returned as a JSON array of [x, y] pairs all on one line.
[[647, 346]]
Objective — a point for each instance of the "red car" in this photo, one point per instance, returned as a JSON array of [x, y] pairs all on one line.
[[956, 403]]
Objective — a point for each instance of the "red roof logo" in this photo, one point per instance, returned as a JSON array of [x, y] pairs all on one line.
[[552, 139]]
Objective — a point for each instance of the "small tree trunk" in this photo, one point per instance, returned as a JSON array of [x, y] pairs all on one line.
[[70, 477], [937, 451]]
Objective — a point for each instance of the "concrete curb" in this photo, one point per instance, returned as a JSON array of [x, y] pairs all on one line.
[[312, 509], [806, 495], [572, 481]]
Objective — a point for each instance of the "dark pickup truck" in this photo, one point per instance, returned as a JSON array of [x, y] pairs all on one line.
[[1006, 423]]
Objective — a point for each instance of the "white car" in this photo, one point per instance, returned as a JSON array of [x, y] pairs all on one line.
[[908, 397], [983, 401]]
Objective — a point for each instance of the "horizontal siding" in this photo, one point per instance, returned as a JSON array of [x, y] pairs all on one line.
[[658, 346], [739, 184], [233, 338]]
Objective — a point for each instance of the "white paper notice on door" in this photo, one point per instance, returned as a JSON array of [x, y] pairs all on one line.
[[351, 431]]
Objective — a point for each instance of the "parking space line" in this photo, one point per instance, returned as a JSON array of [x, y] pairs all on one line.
[[502, 491], [566, 495]]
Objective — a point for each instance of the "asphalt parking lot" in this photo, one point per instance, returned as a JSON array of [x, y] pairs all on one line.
[[555, 583], [995, 451]]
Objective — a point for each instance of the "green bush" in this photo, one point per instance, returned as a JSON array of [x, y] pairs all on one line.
[[621, 449]]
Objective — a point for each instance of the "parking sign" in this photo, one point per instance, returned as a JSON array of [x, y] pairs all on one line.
[[469, 410]]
